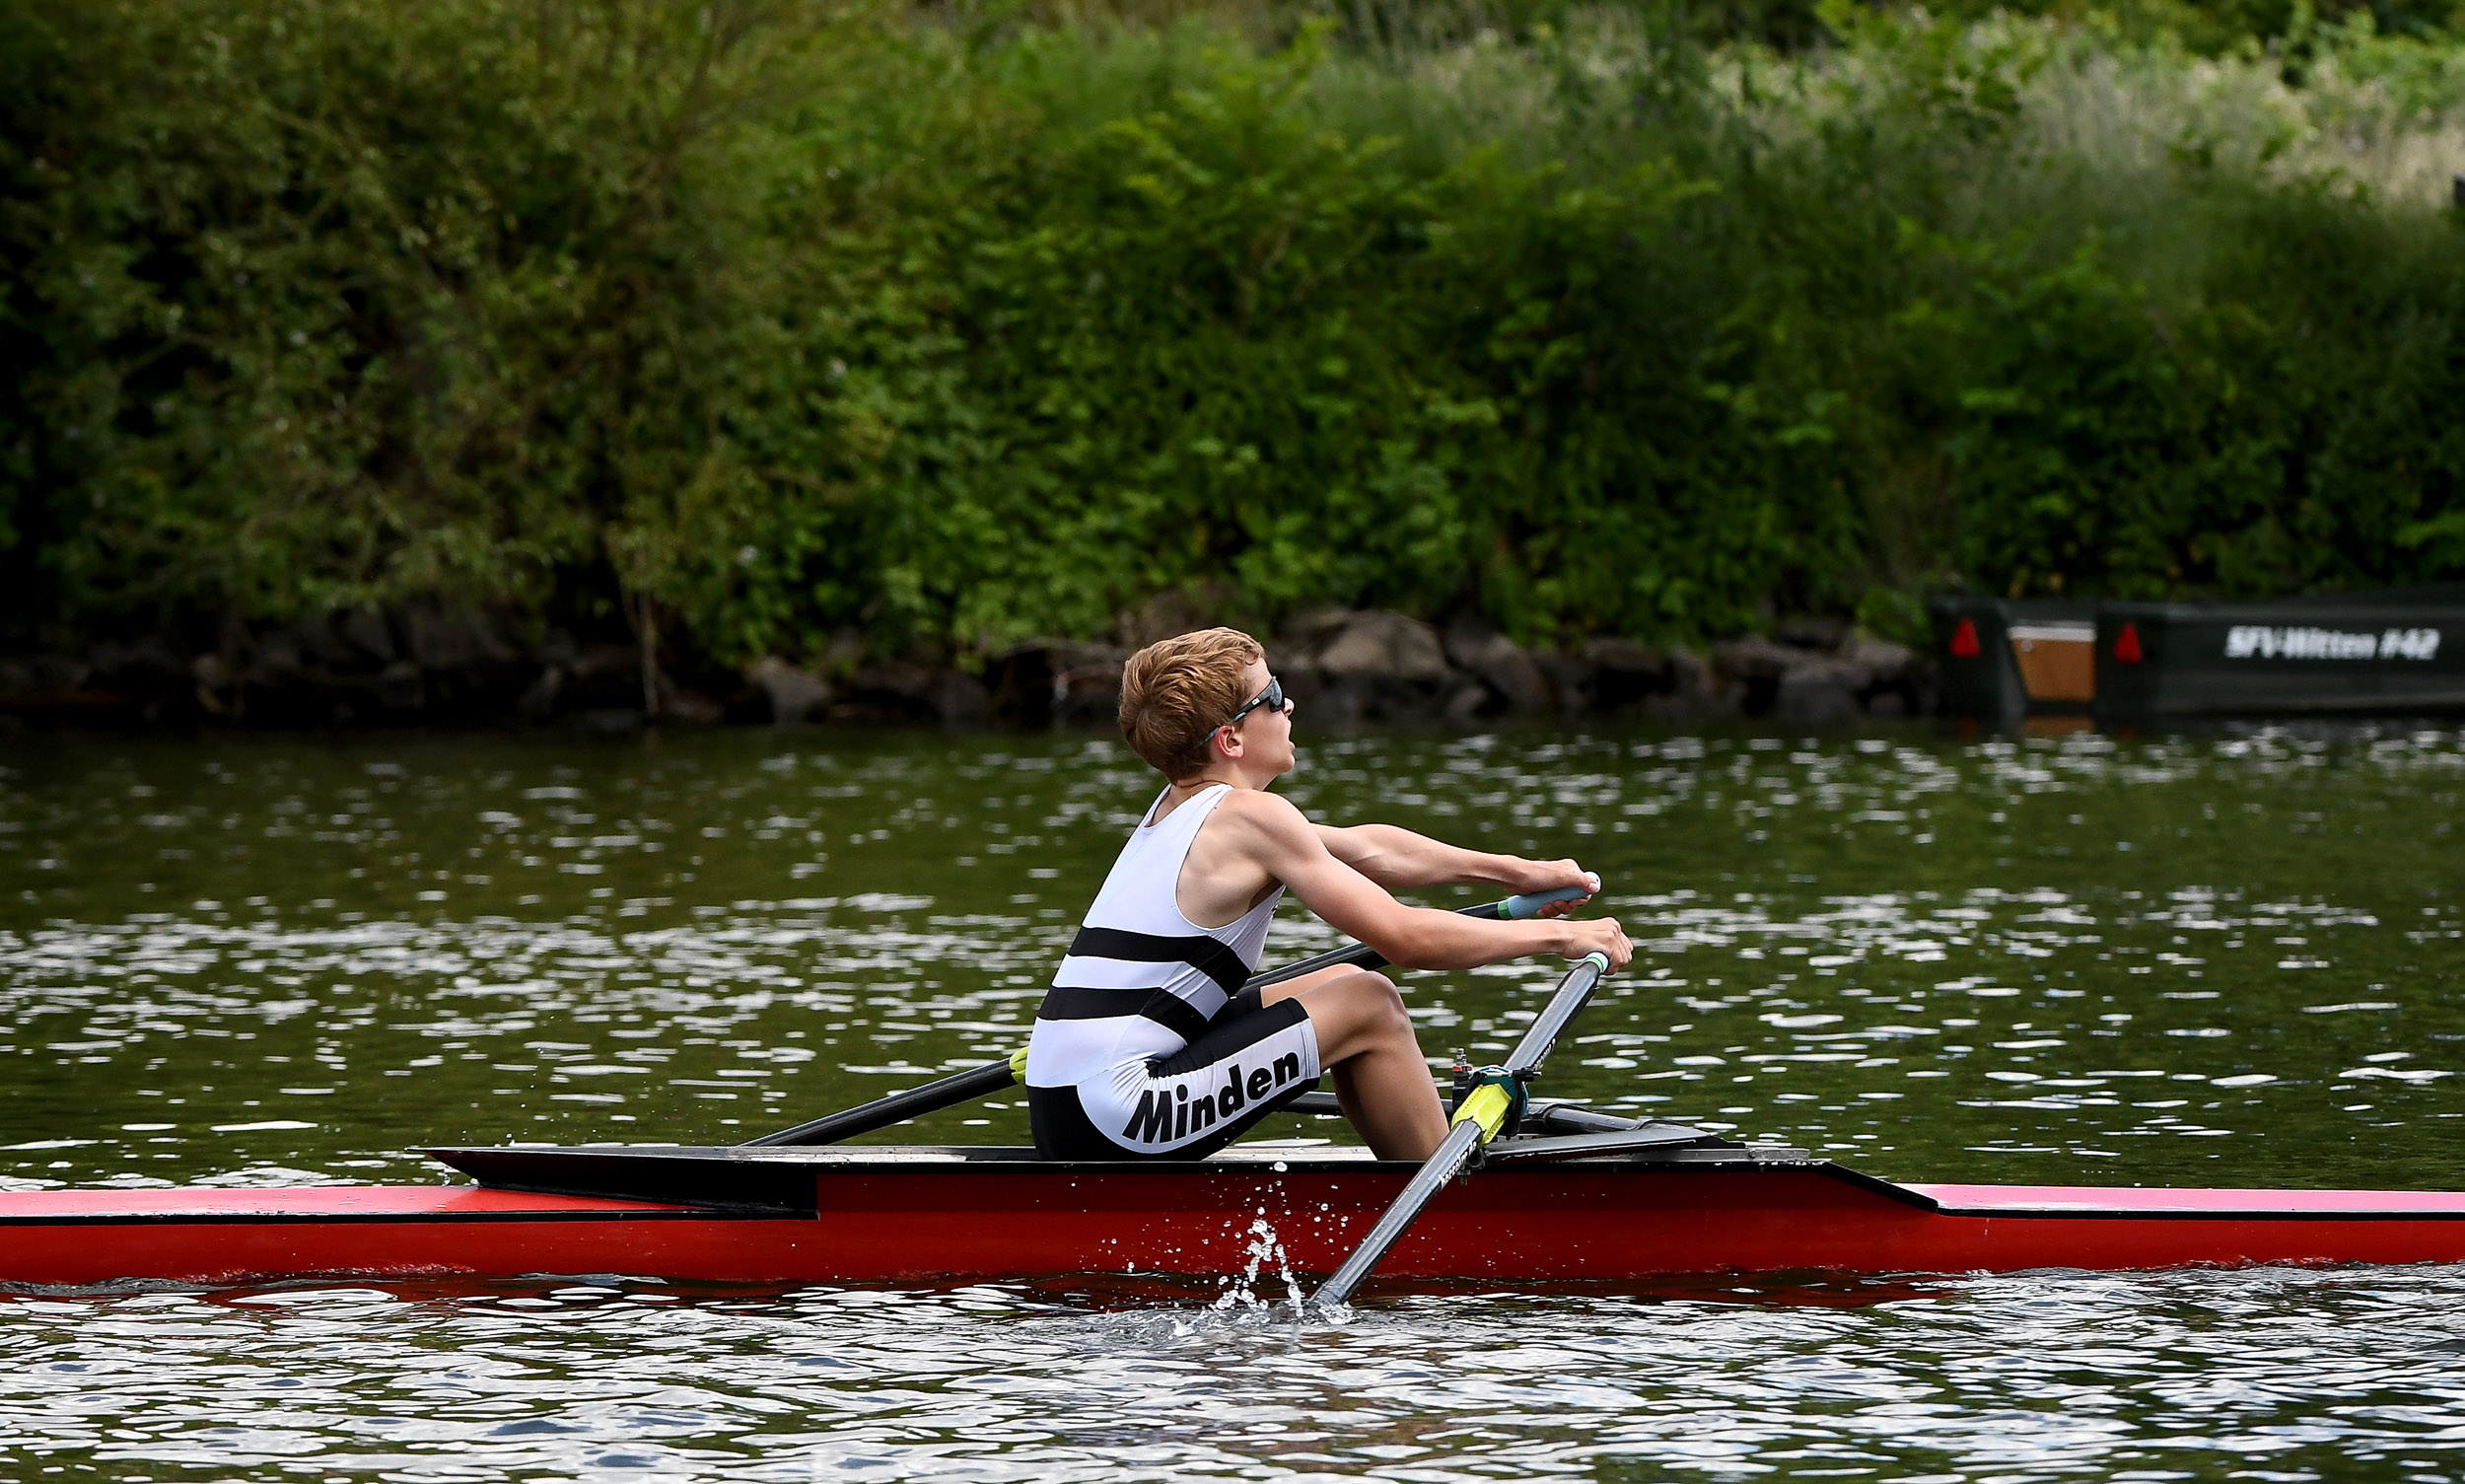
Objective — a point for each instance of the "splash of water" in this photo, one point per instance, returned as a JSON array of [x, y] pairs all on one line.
[[1261, 1246]]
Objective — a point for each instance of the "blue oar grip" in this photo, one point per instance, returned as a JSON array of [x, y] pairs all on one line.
[[1521, 907]]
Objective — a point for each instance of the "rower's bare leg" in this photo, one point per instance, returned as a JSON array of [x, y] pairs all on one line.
[[1365, 1040]]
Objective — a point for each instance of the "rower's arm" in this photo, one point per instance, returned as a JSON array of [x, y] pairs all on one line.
[[1401, 861], [1289, 849]]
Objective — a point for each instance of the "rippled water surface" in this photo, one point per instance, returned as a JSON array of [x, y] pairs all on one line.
[[2223, 960]]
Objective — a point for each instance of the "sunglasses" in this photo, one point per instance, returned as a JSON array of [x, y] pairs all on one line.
[[1272, 698]]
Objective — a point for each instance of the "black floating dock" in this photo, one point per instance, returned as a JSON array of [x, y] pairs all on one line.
[[2385, 652]]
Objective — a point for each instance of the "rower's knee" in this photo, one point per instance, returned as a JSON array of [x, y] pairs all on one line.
[[1357, 1012], [1384, 1004]]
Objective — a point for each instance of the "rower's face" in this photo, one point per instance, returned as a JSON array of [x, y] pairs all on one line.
[[1266, 733]]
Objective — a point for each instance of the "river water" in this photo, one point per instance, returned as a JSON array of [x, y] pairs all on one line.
[[2232, 958]]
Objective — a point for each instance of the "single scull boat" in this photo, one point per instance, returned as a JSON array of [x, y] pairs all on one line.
[[1562, 1194], [1577, 1195]]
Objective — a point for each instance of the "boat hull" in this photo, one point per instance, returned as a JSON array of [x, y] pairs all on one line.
[[922, 1221]]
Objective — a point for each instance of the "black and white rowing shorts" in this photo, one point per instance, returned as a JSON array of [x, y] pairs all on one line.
[[1252, 1060]]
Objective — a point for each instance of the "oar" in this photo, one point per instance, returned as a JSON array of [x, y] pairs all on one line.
[[993, 1076], [1477, 1121]]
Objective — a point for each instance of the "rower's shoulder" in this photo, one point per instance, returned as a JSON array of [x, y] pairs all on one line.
[[1256, 809]]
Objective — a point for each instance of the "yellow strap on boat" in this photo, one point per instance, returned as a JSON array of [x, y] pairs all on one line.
[[1018, 1065], [1487, 1106]]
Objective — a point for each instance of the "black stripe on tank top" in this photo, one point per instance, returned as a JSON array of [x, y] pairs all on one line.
[[1064, 1003], [1200, 952]]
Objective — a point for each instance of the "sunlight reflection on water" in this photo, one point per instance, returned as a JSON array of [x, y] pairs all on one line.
[[2222, 959], [2031, 1376]]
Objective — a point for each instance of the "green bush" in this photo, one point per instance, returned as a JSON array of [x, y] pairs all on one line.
[[766, 320]]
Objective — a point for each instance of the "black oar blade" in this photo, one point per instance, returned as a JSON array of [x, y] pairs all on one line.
[[1468, 1134]]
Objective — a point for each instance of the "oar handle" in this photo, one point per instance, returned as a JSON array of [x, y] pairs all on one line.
[[1518, 908]]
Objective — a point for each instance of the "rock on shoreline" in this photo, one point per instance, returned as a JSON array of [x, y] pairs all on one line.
[[425, 666]]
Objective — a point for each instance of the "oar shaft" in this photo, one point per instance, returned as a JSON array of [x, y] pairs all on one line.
[[994, 1077], [1444, 1166], [1352, 956], [1361, 955], [1573, 993], [1475, 1123], [915, 1102]]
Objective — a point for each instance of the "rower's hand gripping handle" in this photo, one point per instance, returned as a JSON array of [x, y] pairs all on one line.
[[1498, 1095], [1528, 905]]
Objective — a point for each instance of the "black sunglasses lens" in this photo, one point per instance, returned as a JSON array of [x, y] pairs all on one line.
[[1271, 699]]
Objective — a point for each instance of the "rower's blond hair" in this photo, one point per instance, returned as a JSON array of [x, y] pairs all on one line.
[[1175, 693]]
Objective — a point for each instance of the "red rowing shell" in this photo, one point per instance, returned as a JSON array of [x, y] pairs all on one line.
[[885, 1216]]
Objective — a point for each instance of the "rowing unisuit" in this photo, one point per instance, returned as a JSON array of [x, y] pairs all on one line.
[[1147, 1045]]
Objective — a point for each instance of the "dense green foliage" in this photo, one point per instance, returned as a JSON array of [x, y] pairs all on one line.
[[789, 319]]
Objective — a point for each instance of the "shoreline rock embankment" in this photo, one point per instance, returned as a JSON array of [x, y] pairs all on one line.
[[422, 665]]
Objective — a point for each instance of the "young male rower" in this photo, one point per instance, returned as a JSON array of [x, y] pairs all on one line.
[[1147, 1045]]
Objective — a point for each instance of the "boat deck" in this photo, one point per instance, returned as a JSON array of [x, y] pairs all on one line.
[[214, 1206], [2048, 1201]]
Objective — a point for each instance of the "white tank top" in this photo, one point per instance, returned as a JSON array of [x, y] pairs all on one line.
[[1141, 980]]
